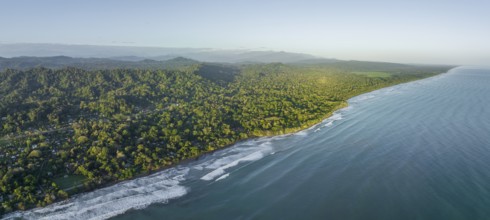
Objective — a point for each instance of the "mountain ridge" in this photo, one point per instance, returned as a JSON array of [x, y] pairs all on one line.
[[128, 53]]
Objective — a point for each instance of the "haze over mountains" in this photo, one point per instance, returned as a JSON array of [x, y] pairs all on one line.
[[126, 53], [90, 57]]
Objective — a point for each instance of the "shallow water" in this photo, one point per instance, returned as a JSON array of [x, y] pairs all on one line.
[[414, 151]]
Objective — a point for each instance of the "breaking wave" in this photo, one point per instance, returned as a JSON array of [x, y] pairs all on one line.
[[248, 154], [222, 177], [114, 200]]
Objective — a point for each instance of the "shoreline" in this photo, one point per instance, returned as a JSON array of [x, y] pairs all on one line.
[[268, 134], [343, 105], [308, 125]]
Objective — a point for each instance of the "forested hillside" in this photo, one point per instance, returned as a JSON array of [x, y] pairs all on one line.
[[69, 130]]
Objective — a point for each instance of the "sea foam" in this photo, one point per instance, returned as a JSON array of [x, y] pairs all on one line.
[[114, 200], [233, 158], [222, 176]]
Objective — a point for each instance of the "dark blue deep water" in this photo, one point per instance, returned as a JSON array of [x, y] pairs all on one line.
[[419, 150]]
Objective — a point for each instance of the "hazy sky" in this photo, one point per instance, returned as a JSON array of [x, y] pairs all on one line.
[[422, 31]]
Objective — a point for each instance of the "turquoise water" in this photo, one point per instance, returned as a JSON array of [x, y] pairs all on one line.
[[419, 150]]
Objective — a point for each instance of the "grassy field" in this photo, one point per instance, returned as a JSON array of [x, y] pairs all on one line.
[[3, 142], [373, 74], [70, 182]]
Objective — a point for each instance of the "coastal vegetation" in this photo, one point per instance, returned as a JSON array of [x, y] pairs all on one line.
[[68, 130]]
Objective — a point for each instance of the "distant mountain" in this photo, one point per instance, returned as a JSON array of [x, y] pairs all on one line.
[[91, 63], [126, 53], [316, 61], [86, 51]]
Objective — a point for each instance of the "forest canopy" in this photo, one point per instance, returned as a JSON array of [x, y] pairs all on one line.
[[67, 130]]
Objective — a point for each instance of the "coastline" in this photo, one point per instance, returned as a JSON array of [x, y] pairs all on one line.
[[311, 124], [267, 134], [291, 131]]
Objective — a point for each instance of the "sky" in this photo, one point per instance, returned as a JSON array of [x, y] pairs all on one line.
[[409, 31]]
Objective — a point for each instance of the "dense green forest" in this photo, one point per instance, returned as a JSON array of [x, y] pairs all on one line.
[[69, 130]]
